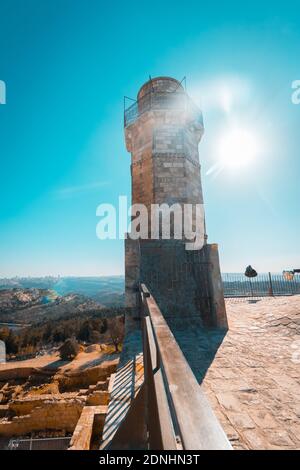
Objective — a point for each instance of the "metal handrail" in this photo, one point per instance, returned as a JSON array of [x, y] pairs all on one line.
[[155, 100], [179, 415], [263, 285], [16, 443]]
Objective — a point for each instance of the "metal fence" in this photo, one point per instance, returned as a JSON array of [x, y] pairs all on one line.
[[51, 443], [162, 100], [263, 285]]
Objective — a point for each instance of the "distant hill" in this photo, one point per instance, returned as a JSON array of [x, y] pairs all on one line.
[[35, 305], [28, 282], [107, 291]]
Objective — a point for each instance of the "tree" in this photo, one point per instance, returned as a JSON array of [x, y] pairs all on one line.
[[69, 350], [91, 329], [85, 331], [95, 336], [115, 330], [4, 333], [103, 326], [47, 332], [58, 335], [12, 346]]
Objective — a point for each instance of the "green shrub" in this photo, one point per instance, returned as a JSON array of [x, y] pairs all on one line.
[[69, 350]]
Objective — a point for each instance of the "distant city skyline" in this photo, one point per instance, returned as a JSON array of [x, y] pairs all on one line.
[[67, 66]]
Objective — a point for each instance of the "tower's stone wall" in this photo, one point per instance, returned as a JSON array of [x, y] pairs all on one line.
[[163, 139], [160, 84]]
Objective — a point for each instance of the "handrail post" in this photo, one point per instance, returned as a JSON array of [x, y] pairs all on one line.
[[271, 292]]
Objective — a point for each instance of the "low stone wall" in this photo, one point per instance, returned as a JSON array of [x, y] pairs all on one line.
[[84, 378], [88, 376], [99, 397], [91, 421], [50, 416], [24, 406], [7, 375]]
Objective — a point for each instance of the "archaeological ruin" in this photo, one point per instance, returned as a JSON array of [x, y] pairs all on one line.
[[45, 408]]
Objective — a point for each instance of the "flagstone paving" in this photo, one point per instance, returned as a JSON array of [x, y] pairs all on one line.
[[251, 374]]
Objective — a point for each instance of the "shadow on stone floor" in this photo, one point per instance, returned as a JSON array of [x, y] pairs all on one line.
[[199, 346]]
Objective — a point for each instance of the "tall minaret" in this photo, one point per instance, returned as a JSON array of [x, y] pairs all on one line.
[[163, 130]]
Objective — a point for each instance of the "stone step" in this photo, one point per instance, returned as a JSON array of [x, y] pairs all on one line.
[[99, 397]]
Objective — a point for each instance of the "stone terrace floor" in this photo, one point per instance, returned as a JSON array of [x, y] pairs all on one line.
[[251, 374]]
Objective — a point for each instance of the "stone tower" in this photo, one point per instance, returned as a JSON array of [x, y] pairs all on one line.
[[162, 130]]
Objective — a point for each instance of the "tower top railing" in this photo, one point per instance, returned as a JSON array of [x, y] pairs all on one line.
[[162, 100]]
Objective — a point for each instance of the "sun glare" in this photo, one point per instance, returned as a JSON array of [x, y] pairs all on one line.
[[238, 148]]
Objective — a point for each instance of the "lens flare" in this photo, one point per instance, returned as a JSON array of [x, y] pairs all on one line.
[[238, 148]]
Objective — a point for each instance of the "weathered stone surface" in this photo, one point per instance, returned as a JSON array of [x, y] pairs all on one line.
[[265, 415], [82, 436], [163, 140], [99, 397], [50, 415]]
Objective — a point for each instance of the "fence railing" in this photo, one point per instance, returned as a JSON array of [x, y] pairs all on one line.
[[178, 415], [50, 443], [263, 285], [162, 100]]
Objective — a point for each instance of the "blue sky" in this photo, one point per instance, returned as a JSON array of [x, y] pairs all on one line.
[[68, 64]]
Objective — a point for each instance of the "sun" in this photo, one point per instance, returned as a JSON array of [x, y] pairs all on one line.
[[238, 148]]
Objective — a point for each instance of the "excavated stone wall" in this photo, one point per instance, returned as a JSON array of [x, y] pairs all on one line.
[[50, 416]]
